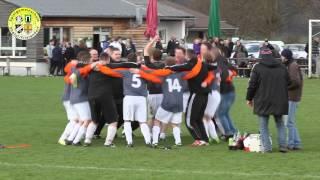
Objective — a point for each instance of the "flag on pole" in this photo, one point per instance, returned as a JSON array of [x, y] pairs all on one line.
[[214, 19], [152, 18]]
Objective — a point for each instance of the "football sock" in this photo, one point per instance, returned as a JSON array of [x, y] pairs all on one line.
[[112, 131], [67, 131], [176, 135], [128, 132], [155, 134], [90, 131], [145, 132], [80, 135], [74, 132]]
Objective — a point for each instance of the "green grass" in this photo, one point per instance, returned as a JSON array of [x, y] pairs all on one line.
[[31, 113]]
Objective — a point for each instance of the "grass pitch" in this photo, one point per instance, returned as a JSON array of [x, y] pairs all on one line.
[[31, 113]]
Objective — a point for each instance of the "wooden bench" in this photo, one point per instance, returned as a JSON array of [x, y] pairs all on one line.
[[28, 69]]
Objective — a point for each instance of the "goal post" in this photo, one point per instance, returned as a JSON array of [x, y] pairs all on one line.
[[314, 30]]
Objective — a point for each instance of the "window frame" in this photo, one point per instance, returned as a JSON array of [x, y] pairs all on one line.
[[13, 47]]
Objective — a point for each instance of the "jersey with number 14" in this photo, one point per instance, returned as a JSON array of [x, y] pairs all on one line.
[[173, 93], [133, 84]]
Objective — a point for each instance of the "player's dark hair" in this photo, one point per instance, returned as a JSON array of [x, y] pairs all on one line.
[[182, 49], [170, 61], [191, 53], [132, 57], [84, 57], [104, 56], [156, 54]]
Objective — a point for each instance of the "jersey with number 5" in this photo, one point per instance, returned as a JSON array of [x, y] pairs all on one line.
[[133, 84], [172, 88]]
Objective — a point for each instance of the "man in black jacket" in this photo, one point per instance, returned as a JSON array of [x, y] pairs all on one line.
[[268, 95], [172, 44]]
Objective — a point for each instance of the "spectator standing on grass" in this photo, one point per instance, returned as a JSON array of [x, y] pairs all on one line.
[[172, 44], [159, 45], [57, 60], [131, 47], [116, 44], [49, 49], [267, 93], [81, 47], [197, 46], [240, 51], [123, 47], [227, 48], [230, 44], [228, 95], [69, 53], [295, 93], [314, 54]]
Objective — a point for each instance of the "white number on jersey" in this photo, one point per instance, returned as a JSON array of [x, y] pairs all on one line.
[[136, 81], [174, 85]]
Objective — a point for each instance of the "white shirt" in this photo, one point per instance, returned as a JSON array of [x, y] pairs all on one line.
[[49, 50], [116, 44]]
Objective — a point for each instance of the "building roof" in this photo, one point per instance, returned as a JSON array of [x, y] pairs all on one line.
[[98, 8], [201, 20]]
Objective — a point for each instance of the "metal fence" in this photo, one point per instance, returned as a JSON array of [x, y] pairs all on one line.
[[245, 65]]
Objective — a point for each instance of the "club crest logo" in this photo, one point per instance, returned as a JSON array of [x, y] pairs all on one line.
[[24, 23]]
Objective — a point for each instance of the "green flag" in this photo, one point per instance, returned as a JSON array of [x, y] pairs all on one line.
[[214, 20]]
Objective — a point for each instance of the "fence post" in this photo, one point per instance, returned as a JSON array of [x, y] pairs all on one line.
[[8, 66]]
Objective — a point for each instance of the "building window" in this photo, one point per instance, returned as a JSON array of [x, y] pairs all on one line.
[[100, 34], [10, 46], [59, 34]]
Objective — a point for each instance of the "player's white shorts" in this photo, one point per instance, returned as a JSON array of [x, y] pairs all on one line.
[[169, 117], [214, 99], [135, 108], [154, 102], [186, 96], [83, 111], [71, 112]]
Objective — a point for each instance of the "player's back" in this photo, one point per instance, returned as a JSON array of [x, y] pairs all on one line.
[[133, 84], [173, 93], [79, 93]]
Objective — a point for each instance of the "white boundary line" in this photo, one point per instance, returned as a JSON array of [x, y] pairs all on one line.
[[245, 174]]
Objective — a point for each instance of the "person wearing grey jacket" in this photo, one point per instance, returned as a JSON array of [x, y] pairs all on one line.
[[294, 93]]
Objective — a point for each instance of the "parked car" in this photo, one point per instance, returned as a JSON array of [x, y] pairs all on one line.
[[253, 49], [297, 50]]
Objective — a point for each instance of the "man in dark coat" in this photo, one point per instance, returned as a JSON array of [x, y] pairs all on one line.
[[57, 60], [172, 45], [295, 93], [69, 53], [268, 95]]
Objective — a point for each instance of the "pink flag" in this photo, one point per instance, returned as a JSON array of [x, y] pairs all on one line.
[[152, 18]]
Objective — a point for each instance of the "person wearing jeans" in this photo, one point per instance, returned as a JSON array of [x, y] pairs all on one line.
[[264, 132], [267, 93], [295, 93], [227, 101], [227, 91]]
